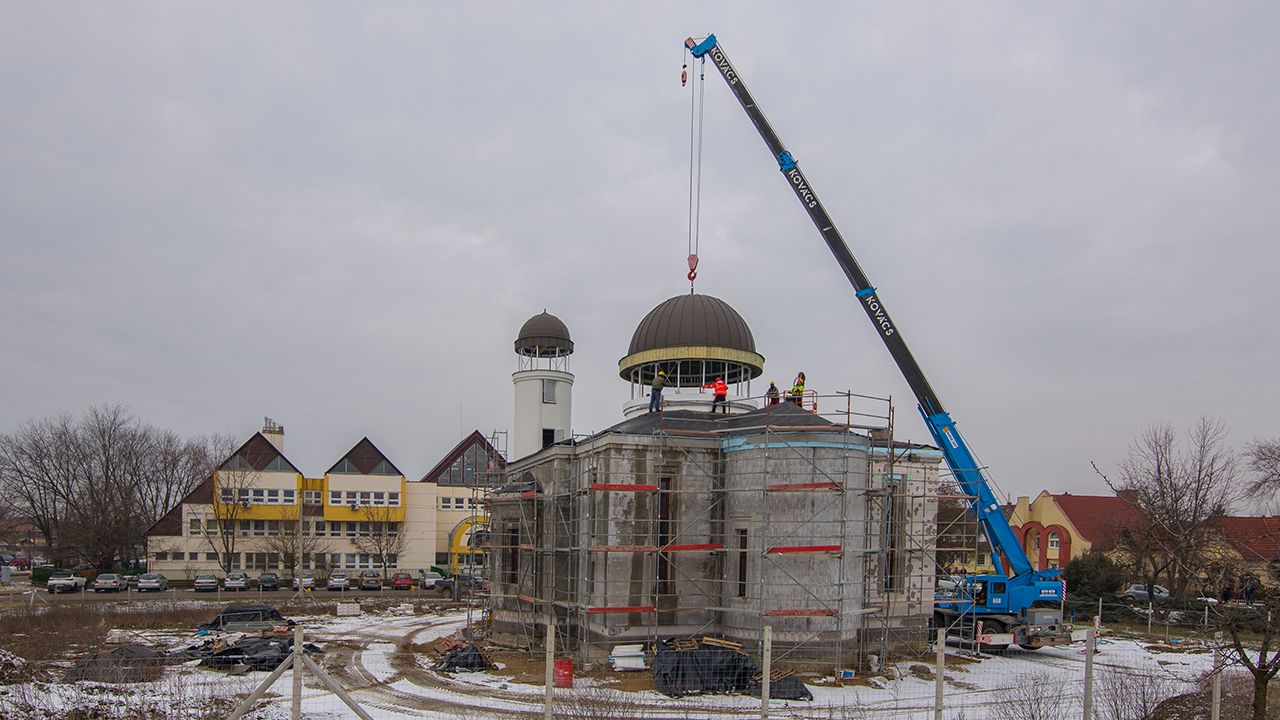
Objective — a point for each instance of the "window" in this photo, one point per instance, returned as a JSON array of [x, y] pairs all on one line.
[[211, 557], [742, 563], [179, 556], [393, 499], [289, 497], [259, 496], [1053, 541], [345, 467], [193, 526], [442, 558], [311, 497], [365, 529], [245, 528], [273, 528], [320, 529], [259, 528], [549, 392], [335, 497], [458, 503], [273, 497], [379, 499], [162, 556], [446, 503], [384, 468], [365, 562], [548, 437], [351, 528], [351, 562], [366, 498], [393, 529], [244, 495], [226, 495]]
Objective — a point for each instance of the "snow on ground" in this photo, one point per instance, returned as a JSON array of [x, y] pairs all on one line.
[[974, 683]]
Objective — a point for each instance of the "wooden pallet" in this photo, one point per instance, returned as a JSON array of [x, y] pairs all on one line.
[[716, 642]]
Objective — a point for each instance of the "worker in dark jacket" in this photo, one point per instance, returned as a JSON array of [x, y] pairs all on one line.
[[720, 391], [773, 395], [655, 391], [797, 390]]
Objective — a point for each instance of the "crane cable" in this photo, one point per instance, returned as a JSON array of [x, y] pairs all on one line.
[[697, 103]]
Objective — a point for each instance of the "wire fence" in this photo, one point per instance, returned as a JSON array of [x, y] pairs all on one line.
[[437, 660]]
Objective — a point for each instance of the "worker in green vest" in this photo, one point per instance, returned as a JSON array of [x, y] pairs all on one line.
[[655, 391]]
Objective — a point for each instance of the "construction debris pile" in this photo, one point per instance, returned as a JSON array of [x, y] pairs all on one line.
[[718, 667], [229, 645]]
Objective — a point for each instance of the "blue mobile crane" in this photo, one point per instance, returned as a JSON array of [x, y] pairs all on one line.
[[1004, 603]]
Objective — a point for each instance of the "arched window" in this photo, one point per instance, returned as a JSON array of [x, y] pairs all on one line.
[[1053, 541]]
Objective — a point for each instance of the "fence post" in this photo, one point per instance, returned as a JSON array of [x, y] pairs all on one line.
[[1090, 636], [551, 661], [1151, 611], [1215, 700], [297, 673], [940, 641], [766, 673]]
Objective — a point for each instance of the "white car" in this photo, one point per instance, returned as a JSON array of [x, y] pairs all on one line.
[[64, 581], [304, 581], [338, 581]]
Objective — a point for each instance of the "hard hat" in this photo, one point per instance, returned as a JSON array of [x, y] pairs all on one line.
[[661, 372]]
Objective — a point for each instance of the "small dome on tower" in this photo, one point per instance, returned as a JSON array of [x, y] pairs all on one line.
[[543, 335]]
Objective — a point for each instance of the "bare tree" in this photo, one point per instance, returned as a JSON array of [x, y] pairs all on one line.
[[232, 485], [296, 540], [1178, 490], [1264, 461], [93, 485], [957, 526], [380, 536]]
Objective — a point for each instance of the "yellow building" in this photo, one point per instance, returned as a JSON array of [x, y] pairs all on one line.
[[460, 482], [257, 512], [1056, 529]]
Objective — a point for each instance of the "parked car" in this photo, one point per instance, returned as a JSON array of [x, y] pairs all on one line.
[[235, 581], [205, 583], [947, 585], [370, 580], [1138, 593], [402, 581], [268, 581], [468, 585], [108, 582], [430, 577], [65, 581], [338, 581], [152, 581], [304, 581]]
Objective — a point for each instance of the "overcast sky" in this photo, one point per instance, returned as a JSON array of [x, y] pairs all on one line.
[[339, 215]]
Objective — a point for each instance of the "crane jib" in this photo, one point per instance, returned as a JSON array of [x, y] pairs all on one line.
[[963, 465]]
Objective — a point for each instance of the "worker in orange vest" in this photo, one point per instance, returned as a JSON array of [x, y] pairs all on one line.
[[720, 390]]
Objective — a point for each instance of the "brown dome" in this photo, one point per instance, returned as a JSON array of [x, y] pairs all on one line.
[[544, 335], [692, 320]]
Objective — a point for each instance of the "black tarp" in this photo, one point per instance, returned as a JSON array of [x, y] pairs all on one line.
[[244, 614], [713, 670], [258, 653], [128, 664], [467, 658]]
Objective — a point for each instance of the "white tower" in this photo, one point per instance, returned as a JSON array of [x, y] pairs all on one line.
[[544, 385]]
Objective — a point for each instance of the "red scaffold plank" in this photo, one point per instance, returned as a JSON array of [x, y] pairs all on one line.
[[704, 546], [526, 598], [622, 548], [527, 494], [637, 608], [805, 549], [805, 486], [624, 487], [799, 613]]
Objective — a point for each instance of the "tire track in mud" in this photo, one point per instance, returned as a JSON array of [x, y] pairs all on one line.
[[442, 695]]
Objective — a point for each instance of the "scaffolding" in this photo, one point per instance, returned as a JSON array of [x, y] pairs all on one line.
[[683, 525]]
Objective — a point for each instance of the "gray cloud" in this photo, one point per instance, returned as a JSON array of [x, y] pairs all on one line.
[[339, 216]]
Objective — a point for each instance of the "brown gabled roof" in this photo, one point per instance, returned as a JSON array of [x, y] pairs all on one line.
[[1255, 538], [474, 438], [365, 456], [1098, 518], [171, 523], [258, 452]]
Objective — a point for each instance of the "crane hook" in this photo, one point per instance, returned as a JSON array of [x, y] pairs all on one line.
[[693, 268], [684, 74]]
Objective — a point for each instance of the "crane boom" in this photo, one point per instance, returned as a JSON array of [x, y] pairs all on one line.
[[985, 504]]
